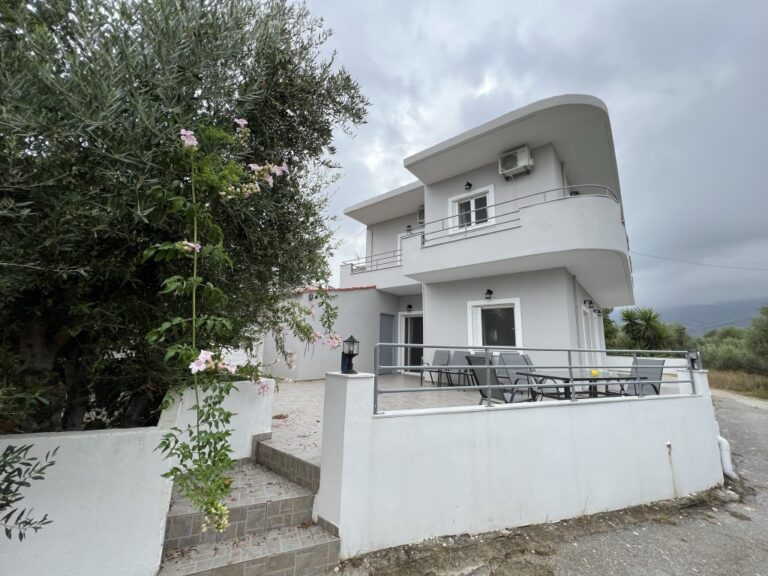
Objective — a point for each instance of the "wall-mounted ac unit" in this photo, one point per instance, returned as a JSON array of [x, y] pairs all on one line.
[[515, 162], [420, 215]]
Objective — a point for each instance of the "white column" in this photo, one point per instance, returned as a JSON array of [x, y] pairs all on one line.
[[347, 416]]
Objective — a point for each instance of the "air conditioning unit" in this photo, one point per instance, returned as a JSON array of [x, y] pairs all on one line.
[[420, 215], [515, 162]]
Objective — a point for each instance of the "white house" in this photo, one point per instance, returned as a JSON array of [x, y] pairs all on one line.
[[512, 234]]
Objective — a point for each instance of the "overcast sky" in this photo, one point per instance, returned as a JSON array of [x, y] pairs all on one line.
[[686, 84]]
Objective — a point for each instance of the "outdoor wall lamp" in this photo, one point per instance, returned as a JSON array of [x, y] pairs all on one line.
[[349, 349], [409, 307], [468, 186], [589, 303], [488, 294]]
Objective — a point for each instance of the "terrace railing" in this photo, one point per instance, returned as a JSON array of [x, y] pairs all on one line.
[[380, 261], [502, 215], [574, 363]]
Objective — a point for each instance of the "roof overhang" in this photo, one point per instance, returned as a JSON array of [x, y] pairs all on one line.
[[392, 204], [577, 125]]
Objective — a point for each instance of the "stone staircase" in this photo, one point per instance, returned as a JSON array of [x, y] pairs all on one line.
[[270, 525]]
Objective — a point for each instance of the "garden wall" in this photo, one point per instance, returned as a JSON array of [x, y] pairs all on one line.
[[106, 497]]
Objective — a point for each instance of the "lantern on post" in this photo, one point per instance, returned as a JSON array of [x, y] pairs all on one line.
[[349, 349]]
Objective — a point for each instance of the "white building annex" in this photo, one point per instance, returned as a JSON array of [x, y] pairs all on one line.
[[511, 235]]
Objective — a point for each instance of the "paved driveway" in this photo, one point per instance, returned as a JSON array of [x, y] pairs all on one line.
[[731, 540]]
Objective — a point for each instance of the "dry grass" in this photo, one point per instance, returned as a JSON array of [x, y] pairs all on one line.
[[743, 382]]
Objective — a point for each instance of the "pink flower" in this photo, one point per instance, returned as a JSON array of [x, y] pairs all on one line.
[[315, 337], [254, 167], [201, 363], [241, 122], [190, 246], [334, 341], [224, 366], [188, 138], [263, 387], [268, 178], [280, 170]]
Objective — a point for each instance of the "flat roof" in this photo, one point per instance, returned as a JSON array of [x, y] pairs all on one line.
[[393, 204], [576, 124]]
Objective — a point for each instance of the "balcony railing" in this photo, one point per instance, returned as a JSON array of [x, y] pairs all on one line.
[[502, 215], [379, 261]]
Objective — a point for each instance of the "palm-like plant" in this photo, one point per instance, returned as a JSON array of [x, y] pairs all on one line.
[[644, 329]]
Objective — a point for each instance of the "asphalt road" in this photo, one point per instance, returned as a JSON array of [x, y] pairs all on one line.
[[729, 540]]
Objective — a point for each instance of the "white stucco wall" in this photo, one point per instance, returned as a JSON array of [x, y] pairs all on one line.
[[358, 316], [546, 175], [382, 237], [252, 414], [545, 310], [106, 496], [430, 473]]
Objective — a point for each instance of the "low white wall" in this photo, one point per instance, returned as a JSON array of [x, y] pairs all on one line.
[[398, 478], [252, 414], [106, 496]]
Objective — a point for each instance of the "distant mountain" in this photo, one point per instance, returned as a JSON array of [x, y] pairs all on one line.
[[701, 318]]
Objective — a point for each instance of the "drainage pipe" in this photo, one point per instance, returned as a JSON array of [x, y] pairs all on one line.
[[725, 455]]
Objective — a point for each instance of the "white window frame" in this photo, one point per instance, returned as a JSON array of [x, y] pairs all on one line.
[[453, 209], [495, 303]]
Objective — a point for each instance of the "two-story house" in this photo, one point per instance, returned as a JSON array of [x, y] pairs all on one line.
[[512, 234]]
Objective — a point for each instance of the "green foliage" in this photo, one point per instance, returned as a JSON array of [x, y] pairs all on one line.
[[643, 329], [728, 349], [17, 470], [757, 339], [94, 188]]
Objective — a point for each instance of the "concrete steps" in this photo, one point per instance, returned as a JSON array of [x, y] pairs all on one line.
[[270, 529]]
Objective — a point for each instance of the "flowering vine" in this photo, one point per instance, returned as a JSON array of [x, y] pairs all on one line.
[[201, 453]]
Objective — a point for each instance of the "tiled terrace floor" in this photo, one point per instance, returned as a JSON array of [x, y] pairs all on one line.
[[297, 425]]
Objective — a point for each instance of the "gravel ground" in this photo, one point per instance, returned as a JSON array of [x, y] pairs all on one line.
[[711, 538]]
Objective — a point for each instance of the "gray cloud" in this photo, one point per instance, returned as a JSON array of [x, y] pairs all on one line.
[[685, 83]]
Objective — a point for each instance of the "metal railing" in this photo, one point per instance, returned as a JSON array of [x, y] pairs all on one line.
[[379, 261], [503, 215], [567, 383]]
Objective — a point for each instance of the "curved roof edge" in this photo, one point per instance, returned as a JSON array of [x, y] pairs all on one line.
[[505, 120]]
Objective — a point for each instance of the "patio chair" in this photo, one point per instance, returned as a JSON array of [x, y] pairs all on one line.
[[463, 375], [440, 358], [484, 377], [511, 375], [651, 370], [543, 390]]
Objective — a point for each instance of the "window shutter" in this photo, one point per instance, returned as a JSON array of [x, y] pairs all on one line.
[[477, 327]]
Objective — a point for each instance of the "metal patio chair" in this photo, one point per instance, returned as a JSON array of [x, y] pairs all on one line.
[[518, 363], [543, 390], [463, 375], [440, 358], [499, 395], [651, 370]]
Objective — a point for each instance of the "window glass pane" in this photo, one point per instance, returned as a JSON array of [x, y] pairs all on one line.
[[498, 326], [481, 210], [465, 213]]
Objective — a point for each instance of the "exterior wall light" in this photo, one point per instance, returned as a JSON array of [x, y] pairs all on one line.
[[488, 294], [589, 303], [409, 307], [468, 186], [349, 349]]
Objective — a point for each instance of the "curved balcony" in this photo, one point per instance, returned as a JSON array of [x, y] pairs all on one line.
[[579, 228]]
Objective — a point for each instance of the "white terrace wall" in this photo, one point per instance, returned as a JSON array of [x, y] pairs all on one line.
[[398, 478], [106, 496]]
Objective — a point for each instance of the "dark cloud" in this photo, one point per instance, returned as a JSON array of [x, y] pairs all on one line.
[[685, 83]]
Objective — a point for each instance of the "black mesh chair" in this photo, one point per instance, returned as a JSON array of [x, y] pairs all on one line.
[[518, 364], [543, 389]]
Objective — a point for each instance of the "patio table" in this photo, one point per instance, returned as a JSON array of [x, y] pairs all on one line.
[[583, 375]]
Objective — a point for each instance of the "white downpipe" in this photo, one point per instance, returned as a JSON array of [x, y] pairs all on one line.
[[725, 455]]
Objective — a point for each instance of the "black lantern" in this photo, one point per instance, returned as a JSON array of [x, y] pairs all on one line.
[[488, 294], [349, 349], [409, 307]]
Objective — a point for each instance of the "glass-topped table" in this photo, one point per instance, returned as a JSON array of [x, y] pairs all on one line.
[[582, 375]]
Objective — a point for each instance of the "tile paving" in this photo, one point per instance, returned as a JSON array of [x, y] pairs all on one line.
[[297, 425]]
